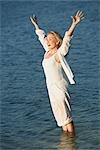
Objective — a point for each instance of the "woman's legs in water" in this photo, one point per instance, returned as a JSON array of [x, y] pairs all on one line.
[[69, 128], [61, 111]]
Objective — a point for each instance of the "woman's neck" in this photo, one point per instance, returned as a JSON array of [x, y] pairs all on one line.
[[52, 50]]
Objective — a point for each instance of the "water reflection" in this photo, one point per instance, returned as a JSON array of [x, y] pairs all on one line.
[[67, 142]]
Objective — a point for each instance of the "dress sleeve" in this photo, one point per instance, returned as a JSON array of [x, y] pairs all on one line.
[[42, 38], [64, 48]]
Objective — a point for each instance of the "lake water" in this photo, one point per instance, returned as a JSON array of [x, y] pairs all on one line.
[[27, 122]]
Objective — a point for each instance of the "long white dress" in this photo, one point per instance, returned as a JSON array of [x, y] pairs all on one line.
[[57, 85]]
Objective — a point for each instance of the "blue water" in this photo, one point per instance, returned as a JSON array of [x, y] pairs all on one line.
[[27, 122]]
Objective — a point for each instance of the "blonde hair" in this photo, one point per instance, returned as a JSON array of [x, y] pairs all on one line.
[[57, 36]]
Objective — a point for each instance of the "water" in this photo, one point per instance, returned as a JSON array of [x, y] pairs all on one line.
[[27, 122]]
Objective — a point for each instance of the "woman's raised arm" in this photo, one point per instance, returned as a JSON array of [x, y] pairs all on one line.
[[34, 22], [76, 19], [40, 33], [64, 48]]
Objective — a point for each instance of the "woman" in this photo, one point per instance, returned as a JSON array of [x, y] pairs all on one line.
[[55, 67]]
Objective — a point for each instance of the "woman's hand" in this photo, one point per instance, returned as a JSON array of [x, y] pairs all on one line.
[[78, 17], [34, 21]]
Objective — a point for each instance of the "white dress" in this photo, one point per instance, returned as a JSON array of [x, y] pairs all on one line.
[[57, 89], [57, 86]]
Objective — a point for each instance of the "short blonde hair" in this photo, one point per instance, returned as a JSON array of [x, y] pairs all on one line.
[[57, 36]]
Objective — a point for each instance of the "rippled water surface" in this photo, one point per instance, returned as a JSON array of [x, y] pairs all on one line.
[[27, 122]]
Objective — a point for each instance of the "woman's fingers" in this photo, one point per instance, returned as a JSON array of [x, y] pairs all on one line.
[[78, 17], [80, 13], [34, 17], [77, 12], [30, 18], [82, 18], [72, 17]]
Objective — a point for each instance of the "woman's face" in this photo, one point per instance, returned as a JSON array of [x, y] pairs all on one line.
[[52, 42]]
